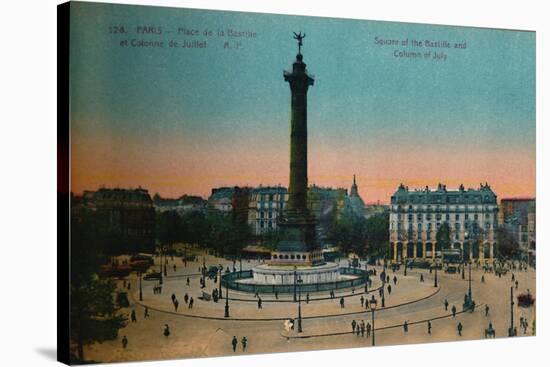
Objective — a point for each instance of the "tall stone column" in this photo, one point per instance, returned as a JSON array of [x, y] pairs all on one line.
[[299, 81]]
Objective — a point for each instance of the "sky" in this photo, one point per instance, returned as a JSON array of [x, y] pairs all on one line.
[[185, 120]]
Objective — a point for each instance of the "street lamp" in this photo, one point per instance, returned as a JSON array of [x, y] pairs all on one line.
[[299, 281], [384, 292], [511, 330], [140, 288], [226, 314], [366, 279], [160, 260], [220, 268], [372, 308], [435, 277], [294, 298]]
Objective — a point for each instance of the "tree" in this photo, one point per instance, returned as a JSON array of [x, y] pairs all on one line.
[[507, 245], [93, 315], [350, 233], [443, 236], [169, 228], [377, 234]]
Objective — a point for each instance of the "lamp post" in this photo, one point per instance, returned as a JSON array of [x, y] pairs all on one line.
[[372, 308], [203, 272], [220, 268], [511, 330], [299, 281], [165, 261], [140, 288], [366, 279], [435, 277], [226, 314], [160, 260], [470, 282], [463, 266], [383, 293], [294, 298]]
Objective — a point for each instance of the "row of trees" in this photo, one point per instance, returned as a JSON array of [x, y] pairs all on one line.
[[215, 230], [363, 236], [370, 236]]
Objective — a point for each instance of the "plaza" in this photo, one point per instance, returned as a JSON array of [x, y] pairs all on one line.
[[204, 331]]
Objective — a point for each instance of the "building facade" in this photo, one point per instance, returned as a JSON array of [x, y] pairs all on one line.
[[416, 216], [518, 216], [129, 215], [183, 204], [265, 205]]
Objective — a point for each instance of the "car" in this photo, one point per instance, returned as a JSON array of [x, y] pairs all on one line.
[[152, 276], [451, 269]]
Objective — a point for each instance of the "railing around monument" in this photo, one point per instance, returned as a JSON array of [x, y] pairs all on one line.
[[230, 280]]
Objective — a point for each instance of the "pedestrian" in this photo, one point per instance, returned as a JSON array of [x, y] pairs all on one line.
[[188, 282], [513, 277], [276, 295], [486, 310], [387, 279], [517, 284], [191, 302], [394, 279], [146, 312], [166, 331], [342, 302], [362, 328], [389, 288], [353, 324], [453, 310], [459, 328], [446, 304], [307, 298], [173, 297], [259, 303], [368, 329], [176, 304], [174, 267], [405, 326], [421, 277], [186, 298], [243, 342], [482, 279], [234, 343], [124, 342], [362, 299], [133, 316], [429, 327]]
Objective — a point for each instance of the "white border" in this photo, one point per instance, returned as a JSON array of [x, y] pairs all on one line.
[[28, 183]]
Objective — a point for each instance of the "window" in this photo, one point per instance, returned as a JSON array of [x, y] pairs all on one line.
[[457, 216], [292, 257], [274, 256], [475, 216], [466, 216], [447, 217], [438, 216], [410, 217], [428, 216], [419, 227], [419, 217]]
